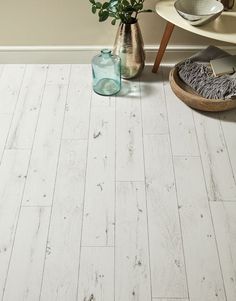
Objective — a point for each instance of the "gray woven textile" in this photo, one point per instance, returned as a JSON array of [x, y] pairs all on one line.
[[197, 73]]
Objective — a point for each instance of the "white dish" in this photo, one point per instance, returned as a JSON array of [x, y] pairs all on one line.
[[199, 12]]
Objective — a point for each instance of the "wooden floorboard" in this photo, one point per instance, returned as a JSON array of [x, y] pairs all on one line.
[[181, 124], [166, 249], [13, 173], [132, 272], [127, 198], [98, 220], [63, 247], [215, 158], [224, 217], [25, 273], [202, 262], [41, 177]]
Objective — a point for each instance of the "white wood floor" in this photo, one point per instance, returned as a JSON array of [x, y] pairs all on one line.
[[127, 198]]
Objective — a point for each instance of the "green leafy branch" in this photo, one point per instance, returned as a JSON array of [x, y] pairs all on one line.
[[124, 10]]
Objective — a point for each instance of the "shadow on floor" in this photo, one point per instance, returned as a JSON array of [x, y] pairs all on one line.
[[144, 83]]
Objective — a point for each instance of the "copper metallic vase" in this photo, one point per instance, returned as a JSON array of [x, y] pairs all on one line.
[[129, 46], [228, 4]]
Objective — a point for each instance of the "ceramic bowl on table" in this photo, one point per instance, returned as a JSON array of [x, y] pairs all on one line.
[[199, 12]]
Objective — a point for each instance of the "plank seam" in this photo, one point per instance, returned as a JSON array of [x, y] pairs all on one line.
[[213, 227], [55, 181], [84, 194], [145, 189], [23, 190], [227, 149], [176, 193]]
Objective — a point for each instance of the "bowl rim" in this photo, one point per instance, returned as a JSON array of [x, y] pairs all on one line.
[[201, 15]]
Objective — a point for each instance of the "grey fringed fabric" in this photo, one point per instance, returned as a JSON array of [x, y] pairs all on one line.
[[196, 72]]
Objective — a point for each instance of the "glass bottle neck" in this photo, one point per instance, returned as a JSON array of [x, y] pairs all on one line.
[[106, 53]]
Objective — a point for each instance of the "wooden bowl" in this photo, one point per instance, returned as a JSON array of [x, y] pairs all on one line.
[[194, 100]]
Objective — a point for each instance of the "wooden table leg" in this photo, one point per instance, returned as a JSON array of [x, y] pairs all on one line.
[[164, 41]]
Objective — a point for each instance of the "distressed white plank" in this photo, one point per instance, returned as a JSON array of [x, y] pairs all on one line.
[[63, 248], [228, 122], [102, 101], [27, 109], [129, 144], [96, 276], [172, 299], [202, 262], [10, 84], [98, 226], [217, 168], [224, 218], [2, 66], [43, 163], [5, 122], [76, 124], [58, 74], [26, 267], [182, 129], [12, 178], [166, 250], [153, 102], [132, 271]]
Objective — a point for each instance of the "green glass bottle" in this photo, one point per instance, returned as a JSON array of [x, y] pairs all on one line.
[[106, 69]]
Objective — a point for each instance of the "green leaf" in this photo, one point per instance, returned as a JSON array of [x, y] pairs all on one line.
[[105, 5], [94, 9], [98, 5], [128, 8], [138, 7], [103, 16], [126, 2], [92, 1], [132, 2], [113, 22]]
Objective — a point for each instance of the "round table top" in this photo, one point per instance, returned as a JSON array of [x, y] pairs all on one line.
[[223, 28]]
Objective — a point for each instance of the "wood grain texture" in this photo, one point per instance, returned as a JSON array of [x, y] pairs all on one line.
[[102, 101], [96, 276], [164, 42], [202, 263], [77, 111], [5, 122], [228, 121], [43, 163], [98, 224], [12, 179], [28, 106], [63, 247], [2, 66], [182, 129], [154, 112], [132, 271], [58, 74], [129, 144], [99, 176], [215, 158], [224, 217], [26, 267], [172, 299], [166, 250], [10, 84]]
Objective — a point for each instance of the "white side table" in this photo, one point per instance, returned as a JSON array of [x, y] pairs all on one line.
[[223, 28]]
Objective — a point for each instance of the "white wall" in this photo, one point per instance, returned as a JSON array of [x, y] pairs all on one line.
[[65, 31], [70, 22]]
